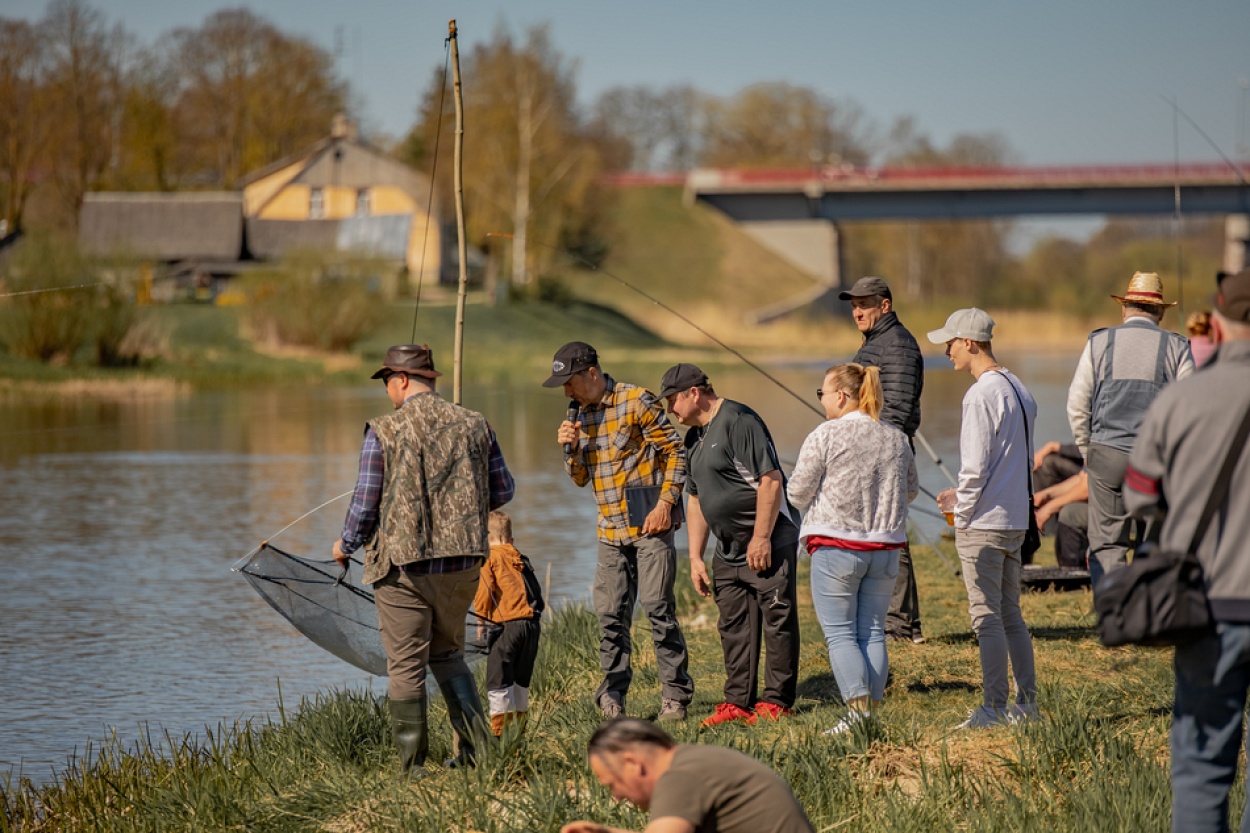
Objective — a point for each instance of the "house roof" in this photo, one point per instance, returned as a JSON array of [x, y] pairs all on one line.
[[189, 226], [344, 162]]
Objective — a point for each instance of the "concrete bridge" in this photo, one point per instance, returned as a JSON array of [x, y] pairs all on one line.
[[796, 213]]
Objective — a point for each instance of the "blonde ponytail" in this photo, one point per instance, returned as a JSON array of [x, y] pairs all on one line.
[[864, 381], [870, 395]]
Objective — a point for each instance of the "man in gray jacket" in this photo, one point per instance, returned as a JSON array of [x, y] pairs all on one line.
[[889, 347], [1119, 374], [1180, 449]]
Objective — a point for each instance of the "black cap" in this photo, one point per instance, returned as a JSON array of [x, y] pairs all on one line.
[[866, 288], [681, 377], [573, 357], [1233, 298], [415, 359]]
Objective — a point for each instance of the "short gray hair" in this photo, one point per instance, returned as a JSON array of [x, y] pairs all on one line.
[[1235, 329], [621, 733]]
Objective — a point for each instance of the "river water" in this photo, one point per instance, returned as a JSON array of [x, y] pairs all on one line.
[[118, 609]]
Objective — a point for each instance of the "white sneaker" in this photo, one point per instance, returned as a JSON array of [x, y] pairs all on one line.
[[984, 718], [847, 723]]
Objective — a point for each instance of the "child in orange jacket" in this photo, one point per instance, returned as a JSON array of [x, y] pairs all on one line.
[[508, 594]]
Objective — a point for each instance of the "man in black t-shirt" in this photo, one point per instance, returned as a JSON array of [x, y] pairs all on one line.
[[738, 493]]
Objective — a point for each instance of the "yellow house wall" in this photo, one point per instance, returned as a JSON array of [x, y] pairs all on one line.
[[432, 252], [291, 203], [387, 199], [259, 192]]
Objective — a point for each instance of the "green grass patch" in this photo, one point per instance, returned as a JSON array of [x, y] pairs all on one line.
[[1096, 762]]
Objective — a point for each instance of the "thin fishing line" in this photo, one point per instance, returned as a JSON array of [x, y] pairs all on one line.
[[665, 306], [1210, 141], [248, 558], [438, 134], [53, 289]]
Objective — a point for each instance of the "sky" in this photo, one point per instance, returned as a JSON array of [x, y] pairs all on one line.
[[1066, 82]]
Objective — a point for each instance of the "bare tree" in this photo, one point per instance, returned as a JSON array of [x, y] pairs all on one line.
[[23, 118], [650, 130], [530, 164], [249, 94], [84, 93], [779, 125]]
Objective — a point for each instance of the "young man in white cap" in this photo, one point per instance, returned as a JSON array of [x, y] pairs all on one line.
[[1120, 372], [992, 514]]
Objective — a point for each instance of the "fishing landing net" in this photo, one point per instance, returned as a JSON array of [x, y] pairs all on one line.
[[320, 600]]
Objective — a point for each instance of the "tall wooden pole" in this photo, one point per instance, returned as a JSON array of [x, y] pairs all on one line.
[[458, 184]]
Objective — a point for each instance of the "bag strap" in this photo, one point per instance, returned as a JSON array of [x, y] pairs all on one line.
[[1028, 443], [1222, 483]]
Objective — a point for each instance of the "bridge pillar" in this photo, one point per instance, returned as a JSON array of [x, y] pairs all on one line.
[[1236, 242], [813, 246]]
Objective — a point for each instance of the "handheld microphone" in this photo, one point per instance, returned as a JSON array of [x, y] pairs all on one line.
[[572, 417]]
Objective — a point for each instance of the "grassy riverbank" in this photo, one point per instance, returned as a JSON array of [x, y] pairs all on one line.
[[1098, 761]]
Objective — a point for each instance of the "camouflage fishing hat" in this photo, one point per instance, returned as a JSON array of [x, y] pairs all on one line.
[[413, 359]]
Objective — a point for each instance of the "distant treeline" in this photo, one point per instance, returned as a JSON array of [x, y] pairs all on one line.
[[84, 106]]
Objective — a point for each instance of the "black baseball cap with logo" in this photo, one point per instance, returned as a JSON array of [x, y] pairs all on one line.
[[572, 358], [681, 377]]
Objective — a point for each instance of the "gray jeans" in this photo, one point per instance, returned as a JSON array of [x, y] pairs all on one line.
[[643, 571], [991, 566]]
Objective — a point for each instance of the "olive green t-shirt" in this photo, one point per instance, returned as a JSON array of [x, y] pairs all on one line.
[[721, 790]]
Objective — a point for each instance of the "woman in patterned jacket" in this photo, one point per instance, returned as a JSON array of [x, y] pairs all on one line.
[[854, 479]]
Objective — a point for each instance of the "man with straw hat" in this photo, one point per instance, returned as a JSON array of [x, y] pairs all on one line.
[[1119, 374]]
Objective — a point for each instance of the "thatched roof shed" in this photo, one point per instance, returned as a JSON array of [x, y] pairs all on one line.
[[185, 226]]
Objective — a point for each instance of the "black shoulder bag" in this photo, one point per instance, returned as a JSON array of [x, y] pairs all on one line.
[[1161, 599], [1033, 537]]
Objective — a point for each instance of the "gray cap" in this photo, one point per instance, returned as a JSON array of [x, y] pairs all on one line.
[[867, 288], [972, 323]]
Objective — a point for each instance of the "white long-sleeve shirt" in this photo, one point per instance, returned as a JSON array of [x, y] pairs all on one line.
[[855, 477], [995, 460]]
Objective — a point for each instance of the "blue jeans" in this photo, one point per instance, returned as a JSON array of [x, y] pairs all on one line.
[[1212, 677], [851, 592]]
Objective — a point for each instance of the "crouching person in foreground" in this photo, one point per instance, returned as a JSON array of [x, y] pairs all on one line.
[[688, 788]]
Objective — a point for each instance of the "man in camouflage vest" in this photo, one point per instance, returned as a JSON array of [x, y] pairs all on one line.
[[430, 473]]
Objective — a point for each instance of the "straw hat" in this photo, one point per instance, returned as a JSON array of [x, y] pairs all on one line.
[[1144, 288]]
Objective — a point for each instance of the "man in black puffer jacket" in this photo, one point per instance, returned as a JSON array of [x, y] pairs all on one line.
[[889, 346]]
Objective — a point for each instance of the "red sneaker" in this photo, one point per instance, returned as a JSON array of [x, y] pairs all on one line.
[[768, 711], [727, 713]]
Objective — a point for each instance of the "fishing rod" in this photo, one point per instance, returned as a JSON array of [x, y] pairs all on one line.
[[54, 289], [595, 268], [438, 134]]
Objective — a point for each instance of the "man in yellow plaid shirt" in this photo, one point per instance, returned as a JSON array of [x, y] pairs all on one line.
[[622, 439]]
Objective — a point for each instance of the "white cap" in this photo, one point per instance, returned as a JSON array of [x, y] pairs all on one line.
[[972, 323]]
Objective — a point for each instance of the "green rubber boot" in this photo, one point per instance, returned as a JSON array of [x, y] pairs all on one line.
[[468, 721], [408, 729]]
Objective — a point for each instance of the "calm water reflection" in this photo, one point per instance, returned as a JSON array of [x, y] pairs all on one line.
[[121, 521]]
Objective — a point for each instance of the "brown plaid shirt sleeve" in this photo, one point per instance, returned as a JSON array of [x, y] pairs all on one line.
[[627, 441]]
